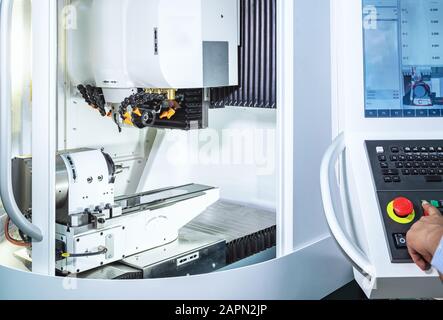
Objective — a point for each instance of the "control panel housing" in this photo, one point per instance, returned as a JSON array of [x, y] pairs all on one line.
[[405, 174]]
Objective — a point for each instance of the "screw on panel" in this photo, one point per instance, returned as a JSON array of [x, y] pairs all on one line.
[[90, 179]]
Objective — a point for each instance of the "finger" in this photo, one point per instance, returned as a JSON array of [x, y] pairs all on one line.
[[418, 260], [430, 210]]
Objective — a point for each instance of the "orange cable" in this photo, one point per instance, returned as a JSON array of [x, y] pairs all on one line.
[[12, 240]]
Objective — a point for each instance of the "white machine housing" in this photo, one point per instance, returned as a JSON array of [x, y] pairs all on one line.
[[154, 44], [124, 235], [88, 180], [364, 227]]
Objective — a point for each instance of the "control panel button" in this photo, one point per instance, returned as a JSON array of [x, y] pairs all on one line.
[[435, 203], [403, 207], [400, 241], [388, 180], [391, 172]]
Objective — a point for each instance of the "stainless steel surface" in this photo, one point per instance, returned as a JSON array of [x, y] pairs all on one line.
[[232, 221], [112, 272], [61, 183], [193, 253], [22, 182], [187, 242], [202, 244], [160, 198]]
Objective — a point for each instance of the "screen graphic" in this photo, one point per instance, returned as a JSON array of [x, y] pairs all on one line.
[[403, 48]]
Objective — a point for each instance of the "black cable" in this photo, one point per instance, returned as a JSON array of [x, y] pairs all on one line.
[[24, 237], [84, 255]]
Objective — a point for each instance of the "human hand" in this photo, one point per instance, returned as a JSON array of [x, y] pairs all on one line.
[[425, 236]]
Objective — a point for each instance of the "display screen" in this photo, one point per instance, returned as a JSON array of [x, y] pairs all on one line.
[[403, 48]]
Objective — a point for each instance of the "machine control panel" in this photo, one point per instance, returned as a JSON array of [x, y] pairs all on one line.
[[405, 174]]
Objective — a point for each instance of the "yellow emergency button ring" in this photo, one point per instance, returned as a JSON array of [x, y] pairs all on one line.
[[401, 210]]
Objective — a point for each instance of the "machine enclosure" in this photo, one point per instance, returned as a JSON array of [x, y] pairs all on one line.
[[154, 44]]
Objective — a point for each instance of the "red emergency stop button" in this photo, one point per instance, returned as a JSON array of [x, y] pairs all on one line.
[[403, 207]]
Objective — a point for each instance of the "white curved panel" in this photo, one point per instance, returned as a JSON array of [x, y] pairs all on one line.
[[305, 274]]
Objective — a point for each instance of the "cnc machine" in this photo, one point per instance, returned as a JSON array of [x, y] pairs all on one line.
[[144, 71], [109, 110]]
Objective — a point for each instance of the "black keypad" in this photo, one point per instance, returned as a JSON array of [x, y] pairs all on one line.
[[425, 161]]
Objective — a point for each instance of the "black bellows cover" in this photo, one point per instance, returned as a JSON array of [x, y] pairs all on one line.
[[257, 59]]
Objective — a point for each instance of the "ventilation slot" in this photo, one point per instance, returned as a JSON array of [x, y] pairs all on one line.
[[257, 59]]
